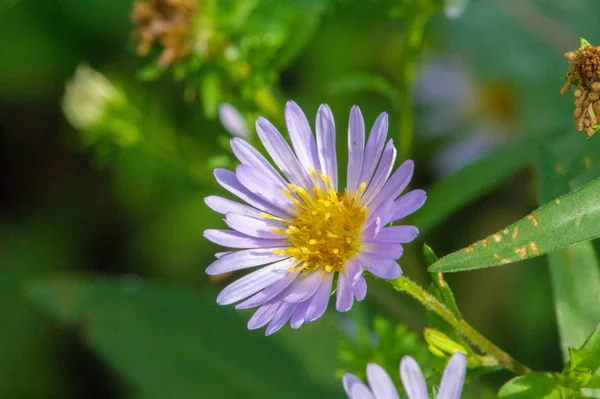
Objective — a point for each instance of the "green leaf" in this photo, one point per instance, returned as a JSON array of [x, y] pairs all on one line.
[[535, 385], [570, 219], [574, 270], [576, 288], [583, 42], [471, 182], [442, 289], [588, 356], [175, 342], [594, 382]]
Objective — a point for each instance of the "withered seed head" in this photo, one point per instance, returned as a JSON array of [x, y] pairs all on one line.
[[584, 72], [168, 21]]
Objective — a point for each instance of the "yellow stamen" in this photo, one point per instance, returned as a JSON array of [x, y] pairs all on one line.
[[325, 231]]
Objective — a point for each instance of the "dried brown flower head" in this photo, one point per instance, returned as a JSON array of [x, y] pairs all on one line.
[[168, 21], [584, 73]]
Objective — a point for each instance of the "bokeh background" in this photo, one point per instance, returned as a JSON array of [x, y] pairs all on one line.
[[102, 285]]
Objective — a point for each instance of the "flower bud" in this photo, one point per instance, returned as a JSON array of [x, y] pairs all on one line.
[[87, 97]]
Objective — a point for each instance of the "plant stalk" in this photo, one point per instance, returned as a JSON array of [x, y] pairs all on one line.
[[462, 327]]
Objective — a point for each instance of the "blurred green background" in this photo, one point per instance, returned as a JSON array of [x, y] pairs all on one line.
[[101, 251]]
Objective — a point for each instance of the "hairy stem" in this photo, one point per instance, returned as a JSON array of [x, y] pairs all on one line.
[[462, 327]]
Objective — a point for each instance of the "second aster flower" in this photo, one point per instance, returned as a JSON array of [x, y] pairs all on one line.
[[301, 228]]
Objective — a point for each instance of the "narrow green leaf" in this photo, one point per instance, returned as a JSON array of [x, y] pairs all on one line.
[[471, 182], [535, 385], [567, 220], [175, 342], [443, 290]]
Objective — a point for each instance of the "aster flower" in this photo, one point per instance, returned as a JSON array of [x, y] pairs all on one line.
[[382, 387], [301, 228], [471, 117]]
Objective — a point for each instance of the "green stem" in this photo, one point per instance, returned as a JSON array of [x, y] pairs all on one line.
[[461, 326], [412, 45]]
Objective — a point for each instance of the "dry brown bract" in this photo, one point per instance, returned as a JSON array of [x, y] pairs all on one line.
[[584, 71], [170, 22]]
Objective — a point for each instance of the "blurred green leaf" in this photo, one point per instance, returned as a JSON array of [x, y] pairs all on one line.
[[174, 342], [535, 385], [300, 30], [470, 183], [569, 219], [32, 353], [576, 289]]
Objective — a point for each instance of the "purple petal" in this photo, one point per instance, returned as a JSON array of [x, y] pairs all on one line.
[[243, 259], [229, 182], [371, 231], [374, 148], [319, 301], [281, 153], [299, 315], [264, 188], [383, 213], [254, 282], [394, 186], [412, 379], [380, 266], [397, 234], [389, 250], [348, 381], [326, 144], [304, 287], [219, 255], [380, 382], [250, 156], [359, 288], [344, 297], [268, 293], [453, 377], [234, 239], [281, 317], [224, 205], [233, 121], [263, 315], [301, 136], [360, 391], [409, 203], [356, 148], [386, 164], [254, 227]]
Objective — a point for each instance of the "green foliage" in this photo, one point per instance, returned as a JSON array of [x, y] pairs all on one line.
[[536, 385], [569, 219], [574, 270], [471, 182], [385, 344], [174, 342]]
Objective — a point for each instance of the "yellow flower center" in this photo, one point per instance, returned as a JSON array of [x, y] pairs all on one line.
[[326, 229]]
